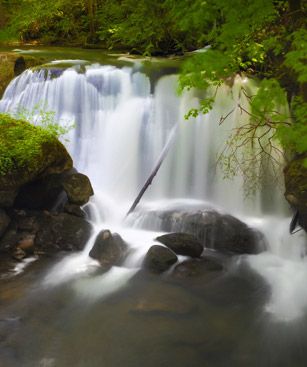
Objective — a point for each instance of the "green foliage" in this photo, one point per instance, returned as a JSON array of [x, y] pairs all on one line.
[[46, 119], [296, 59], [20, 143], [294, 136]]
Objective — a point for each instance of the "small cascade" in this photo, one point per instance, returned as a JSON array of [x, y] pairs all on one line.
[[122, 123]]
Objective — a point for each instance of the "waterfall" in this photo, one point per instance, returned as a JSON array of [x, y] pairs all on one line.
[[122, 122]]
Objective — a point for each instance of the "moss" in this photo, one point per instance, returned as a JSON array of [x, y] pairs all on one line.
[[28, 152]]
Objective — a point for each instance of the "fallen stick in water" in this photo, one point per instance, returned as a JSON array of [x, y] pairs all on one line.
[[155, 170]]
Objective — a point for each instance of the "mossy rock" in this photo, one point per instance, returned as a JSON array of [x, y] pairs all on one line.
[[27, 153]]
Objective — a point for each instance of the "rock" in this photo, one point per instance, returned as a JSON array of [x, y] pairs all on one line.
[[45, 233], [9, 241], [4, 222], [296, 187], [109, 249], [53, 191], [20, 65], [78, 188], [27, 244], [19, 254], [163, 300], [205, 267], [74, 209], [47, 156], [158, 259], [213, 230], [62, 232], [182, 244], [7, 197]]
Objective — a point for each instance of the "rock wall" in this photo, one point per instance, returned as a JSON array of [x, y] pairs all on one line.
[[40, 200]]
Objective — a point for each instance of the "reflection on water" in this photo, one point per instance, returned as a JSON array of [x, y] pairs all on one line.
[[153, 321]]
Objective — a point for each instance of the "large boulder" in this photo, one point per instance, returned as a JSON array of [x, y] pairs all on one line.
[[214, 230], [159, 259], [27, 153], [62, 232], [78, 188], [109, 249], [182, 244], [296, 187]]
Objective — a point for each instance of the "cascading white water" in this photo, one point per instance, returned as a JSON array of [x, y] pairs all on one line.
[[121, 129]]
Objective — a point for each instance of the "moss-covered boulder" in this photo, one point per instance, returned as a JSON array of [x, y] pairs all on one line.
[[296, 187], [27, 153]]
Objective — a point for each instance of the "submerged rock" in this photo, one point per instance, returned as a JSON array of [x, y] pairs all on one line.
[[205, 267], [182, 244], [159, 259], [109, 249]]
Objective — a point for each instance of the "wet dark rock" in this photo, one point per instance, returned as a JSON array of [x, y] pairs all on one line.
[[62, 232], [4, 222], [19, 254], [9, 240], [27, 244], [214, 230], [109, 249], [205, 267], [74, 210], [45, 233], [7, 197], [182, 244], [78, 188], [165, 299], [20, 65], [159, 259]]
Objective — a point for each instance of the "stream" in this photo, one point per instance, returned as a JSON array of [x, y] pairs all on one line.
[[64, 311]]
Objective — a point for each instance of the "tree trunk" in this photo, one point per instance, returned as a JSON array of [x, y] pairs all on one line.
[[155, 170]]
